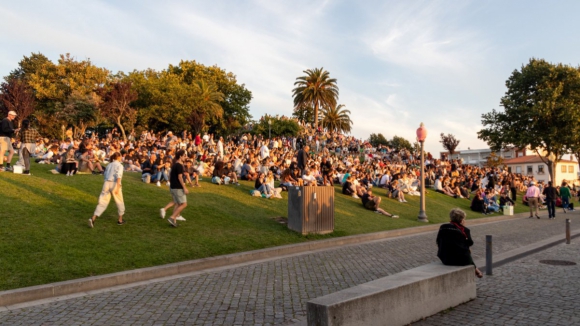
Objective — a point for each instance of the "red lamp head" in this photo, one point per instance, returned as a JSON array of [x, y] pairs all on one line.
[[421, 133]]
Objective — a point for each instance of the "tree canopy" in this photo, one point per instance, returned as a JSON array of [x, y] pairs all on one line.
[[336, 119], [540, 110], [316, 89], [188, 96], [449, 142]]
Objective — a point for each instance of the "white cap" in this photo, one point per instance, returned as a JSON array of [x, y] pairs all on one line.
[[12, 113]]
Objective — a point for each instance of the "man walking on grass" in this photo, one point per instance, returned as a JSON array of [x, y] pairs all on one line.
[[112, 185], [177, 188], [6, 133]]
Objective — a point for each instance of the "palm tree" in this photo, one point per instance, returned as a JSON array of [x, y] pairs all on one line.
[[316, 89], [336, 119], [207, 104]]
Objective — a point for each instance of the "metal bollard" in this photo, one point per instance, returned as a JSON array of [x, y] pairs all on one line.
[[488, 257], [567, 231]]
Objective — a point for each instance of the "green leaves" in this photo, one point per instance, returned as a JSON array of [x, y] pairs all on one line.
[[541, 110], [316, 90]]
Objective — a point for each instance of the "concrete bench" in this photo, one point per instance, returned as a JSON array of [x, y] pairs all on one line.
[[397, 299]]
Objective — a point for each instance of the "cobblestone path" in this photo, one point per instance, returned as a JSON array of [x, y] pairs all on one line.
[[276, 291]]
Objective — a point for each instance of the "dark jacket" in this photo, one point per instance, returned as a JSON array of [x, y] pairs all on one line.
[[454, 245], [6, 128], [550, 192], [301, 159]]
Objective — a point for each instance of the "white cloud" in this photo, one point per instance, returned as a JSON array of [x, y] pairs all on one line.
[[424, 36]]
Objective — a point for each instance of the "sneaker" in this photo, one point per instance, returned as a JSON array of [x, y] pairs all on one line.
[[180, 218], [237, 184], [26, 172], [400, 200], [162, 212], [404, 201], [8, 168], [91, 223], [168, 183], [158, 184], [121, 223], [268, 196], [2, 169], [394, 216], [172, 222], [355, 197], [377, 212]]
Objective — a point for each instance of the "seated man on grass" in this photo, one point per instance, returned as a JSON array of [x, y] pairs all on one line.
[[372, 203]]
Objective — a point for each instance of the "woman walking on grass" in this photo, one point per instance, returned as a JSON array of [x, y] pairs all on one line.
[[112, 185], [177, 188]]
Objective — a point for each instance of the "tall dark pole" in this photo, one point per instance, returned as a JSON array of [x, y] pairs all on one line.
[[422, 216]]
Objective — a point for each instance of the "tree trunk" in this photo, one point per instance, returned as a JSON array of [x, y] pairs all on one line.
[[316, 115], [552, 171], [122, 129]]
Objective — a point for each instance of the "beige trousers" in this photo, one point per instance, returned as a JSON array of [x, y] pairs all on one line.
[[105, 198], [533, 202]]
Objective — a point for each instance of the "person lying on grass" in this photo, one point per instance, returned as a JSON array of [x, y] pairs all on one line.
[[372, 203]]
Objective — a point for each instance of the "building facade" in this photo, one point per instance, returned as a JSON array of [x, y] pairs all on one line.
[[532, 165]]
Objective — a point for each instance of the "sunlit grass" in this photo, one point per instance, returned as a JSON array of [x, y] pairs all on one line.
[[45, 237]]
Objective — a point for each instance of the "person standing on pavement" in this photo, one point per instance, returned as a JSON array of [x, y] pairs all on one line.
[[112, 185], [565, 195], [28, 138], [6, 133], [453, 242], [533, 197], [551, 193], [177, 188]]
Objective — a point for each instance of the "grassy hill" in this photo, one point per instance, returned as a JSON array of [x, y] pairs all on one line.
[[45, 237]]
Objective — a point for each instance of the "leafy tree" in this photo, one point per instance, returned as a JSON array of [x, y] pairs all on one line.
[[16, 95], [316, 89], [378, 139], [449, 142], [62, 87], [538, 104], [207, 102], [399, 143], [281, 126], [304, 114], [116, 105], [493, 160], [336, 119], [79, 110], [28, 66], [235, 100]]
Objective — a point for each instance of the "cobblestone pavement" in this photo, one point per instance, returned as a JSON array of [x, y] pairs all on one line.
[[524, 292], [272, 292]]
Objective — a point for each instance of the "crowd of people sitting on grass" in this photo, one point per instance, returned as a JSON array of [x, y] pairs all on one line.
[[274, 165]]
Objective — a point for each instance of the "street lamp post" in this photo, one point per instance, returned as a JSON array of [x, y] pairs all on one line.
[[269, 129], [421, 136]]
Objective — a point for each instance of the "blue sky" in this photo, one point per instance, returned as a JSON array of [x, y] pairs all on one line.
[[398, 63]]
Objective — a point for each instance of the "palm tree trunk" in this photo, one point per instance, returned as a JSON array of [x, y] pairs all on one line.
[[316, 115]]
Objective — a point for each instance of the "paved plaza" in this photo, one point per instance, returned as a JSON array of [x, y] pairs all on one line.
[[524, 292], [275, 292]]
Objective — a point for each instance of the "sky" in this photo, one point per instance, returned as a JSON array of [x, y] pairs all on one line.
[[397, 63]]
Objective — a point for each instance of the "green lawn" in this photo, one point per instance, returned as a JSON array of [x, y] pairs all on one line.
[[44, 236]]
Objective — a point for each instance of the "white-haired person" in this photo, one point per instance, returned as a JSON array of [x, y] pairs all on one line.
[[6, 133], [453, 242]]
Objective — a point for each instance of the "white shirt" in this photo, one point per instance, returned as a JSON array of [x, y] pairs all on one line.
[[264, 152]]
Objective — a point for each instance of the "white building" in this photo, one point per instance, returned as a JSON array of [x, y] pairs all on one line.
[[479, 156], [532, 165]]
